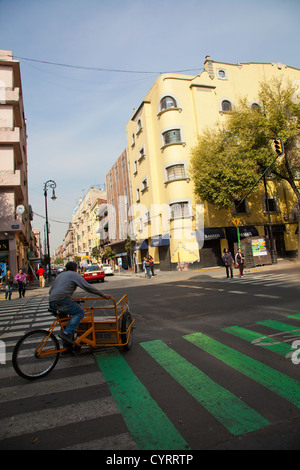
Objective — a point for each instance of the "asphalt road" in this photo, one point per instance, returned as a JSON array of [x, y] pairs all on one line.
[[208, 370]]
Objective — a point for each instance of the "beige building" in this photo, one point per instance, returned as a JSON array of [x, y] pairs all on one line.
[[85, 223], [170, 224], [14, 209]]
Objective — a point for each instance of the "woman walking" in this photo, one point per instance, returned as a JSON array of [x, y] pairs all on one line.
[[240, 261], [21, 280], [228, 261], [8, 281]]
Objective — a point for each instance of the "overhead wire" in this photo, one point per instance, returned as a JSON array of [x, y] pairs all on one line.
[[101, 69]]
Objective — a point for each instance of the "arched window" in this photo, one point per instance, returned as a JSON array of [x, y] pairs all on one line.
[[167, 102], [226, 106]]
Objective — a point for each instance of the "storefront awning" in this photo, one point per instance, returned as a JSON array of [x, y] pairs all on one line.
[[245, 232], [209, 234], [161, 240], [142, 245]]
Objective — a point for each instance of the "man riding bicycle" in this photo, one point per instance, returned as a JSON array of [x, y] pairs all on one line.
[[60, 297]]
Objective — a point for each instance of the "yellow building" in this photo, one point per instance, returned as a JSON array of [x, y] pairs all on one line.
[[168, 221]]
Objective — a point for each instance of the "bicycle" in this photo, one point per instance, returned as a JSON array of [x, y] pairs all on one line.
[[38, 351]]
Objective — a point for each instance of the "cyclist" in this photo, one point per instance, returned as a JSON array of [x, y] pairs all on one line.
[[60, 297]]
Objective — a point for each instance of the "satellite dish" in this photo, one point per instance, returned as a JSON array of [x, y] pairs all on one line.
[[20, 210]]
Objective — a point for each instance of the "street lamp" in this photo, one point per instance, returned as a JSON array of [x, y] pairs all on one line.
[[47, 185]]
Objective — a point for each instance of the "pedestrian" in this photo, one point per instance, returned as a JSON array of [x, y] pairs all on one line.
[[8, 281], [41, 275], [60, 297], [228, 262], [147, 268], [240, 261], [151, 264], [21, 278]]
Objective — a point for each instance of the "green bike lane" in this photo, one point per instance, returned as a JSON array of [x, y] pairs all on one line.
[[202, 389]]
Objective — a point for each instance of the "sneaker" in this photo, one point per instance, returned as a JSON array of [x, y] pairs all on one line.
[[66, 337]]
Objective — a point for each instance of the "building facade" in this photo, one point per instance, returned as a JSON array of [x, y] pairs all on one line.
[[119, 202], [169, 223], [15, 212], [85, 223]]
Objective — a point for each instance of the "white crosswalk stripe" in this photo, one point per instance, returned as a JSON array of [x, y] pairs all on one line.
[[75, 393], [268, 280]]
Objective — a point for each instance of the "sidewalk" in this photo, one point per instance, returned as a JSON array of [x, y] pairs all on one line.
[[217, 271]]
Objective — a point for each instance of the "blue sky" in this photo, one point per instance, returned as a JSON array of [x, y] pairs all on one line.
[[76, 118]]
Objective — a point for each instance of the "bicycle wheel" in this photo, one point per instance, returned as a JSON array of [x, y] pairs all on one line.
[[30, 364], [126, 321]]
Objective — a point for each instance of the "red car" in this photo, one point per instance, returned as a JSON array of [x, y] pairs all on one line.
[[93, 273]]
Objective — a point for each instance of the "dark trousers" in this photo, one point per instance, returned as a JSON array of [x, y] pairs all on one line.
[[227, 271], [22, 289]]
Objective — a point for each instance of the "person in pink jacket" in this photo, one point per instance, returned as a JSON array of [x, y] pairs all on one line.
[[20, 278]]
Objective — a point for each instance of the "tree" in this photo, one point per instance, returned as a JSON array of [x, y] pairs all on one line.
[[228, 160], [109, 253], [129, 247], [96, 253]]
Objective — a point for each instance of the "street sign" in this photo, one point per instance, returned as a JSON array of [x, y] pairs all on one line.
[[236, 221]]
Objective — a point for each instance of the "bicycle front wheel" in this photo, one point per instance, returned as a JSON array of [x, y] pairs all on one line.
[[32, 358]]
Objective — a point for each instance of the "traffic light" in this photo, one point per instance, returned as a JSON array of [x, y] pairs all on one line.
[[279, 148]]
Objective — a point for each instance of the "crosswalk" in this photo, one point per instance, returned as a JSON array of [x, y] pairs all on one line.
[[73, 402], [280, 280], [225, 383]]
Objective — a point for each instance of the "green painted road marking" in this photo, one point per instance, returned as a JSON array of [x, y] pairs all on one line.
[[296, 317], [277, 325], [229, 410], [147, 424], [274, 380], [259, 340]]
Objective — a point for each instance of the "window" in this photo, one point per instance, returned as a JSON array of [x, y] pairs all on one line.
[[137, 194], [144, 184], [222, 74], [255, 106], [167, 102], [123, 164], [139, 126], [141, 153], [226, 106], [243, 208], [176, 172], [273, 207], [180, 210], [135, 169], [172, 136], [147, 217]]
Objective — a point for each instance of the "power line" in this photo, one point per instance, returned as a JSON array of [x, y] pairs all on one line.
[[100, 69], [52, 220]]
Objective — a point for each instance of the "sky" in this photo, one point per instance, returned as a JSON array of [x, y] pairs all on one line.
[[111, 52]]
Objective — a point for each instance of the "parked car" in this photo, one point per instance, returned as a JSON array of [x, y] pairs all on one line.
[[107, 269], [93, 273]]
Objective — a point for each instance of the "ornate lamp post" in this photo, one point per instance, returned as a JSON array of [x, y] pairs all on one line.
[[47, 185]]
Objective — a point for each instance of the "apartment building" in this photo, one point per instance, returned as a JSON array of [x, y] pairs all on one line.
[[68, 245], [169, 223], [15, 213], [118, 204], [85, 223]]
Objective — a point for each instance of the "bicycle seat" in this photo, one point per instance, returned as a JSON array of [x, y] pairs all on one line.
[[58, 313]]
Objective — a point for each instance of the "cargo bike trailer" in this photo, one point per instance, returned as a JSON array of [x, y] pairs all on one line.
[[37, 352]]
